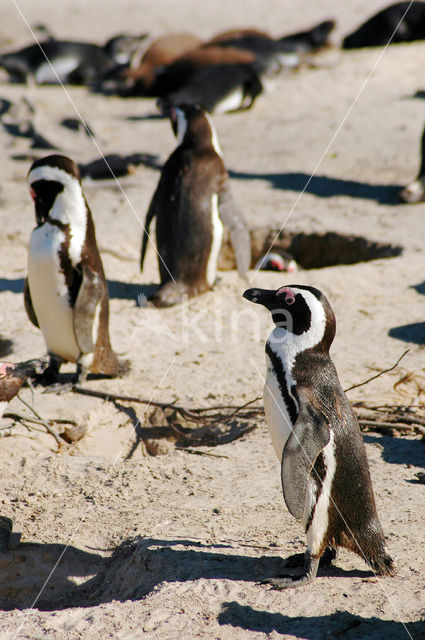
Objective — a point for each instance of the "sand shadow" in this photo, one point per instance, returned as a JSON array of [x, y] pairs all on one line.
[[15, 285], [85, 579], [128, 291], [414, 332], [317, 627], [399, 450], [325, 187]]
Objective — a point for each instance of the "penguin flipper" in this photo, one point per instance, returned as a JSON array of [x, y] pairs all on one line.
[[149, 217], [231, 215], [309, 437], [28, 304], [87, 306]]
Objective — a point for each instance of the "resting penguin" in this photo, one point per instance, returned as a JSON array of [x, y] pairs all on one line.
[[191, 203], [13, 376], [400, 22], [66, 294], [325, 474], [55, 61]]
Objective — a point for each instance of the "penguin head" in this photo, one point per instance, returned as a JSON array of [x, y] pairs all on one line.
[[302, 312], [55, 187], [277, 262], [191, 125]]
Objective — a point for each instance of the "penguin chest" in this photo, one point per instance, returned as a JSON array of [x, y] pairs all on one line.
[[216, 239], [278, 407], [49, 292]]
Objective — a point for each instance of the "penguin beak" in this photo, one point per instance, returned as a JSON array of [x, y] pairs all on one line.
[[266, 297]]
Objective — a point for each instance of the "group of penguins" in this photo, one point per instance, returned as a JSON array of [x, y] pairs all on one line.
[[324, 469]]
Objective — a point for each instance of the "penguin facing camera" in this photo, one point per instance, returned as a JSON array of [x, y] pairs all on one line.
[[191, 203], [324, 469], [65, 293]]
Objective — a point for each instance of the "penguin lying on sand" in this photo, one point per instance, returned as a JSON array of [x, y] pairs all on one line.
[[66, 294], [13, 376], [400, 22], [324, 469], [191, 203], [55, 61]]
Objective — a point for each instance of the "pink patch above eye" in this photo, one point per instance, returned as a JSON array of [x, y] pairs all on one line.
[[4, 366], [289, 294]]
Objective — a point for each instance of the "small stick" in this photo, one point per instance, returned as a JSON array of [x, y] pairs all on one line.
[[21, 417], [196, 452], [384, 425], [380, 373]]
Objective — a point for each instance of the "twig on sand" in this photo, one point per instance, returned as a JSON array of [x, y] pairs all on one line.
[[380, 373]]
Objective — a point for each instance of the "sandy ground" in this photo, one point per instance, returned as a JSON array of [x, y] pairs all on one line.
[[118, 543]]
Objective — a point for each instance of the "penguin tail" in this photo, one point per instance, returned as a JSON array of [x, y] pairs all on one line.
[[382, 565]]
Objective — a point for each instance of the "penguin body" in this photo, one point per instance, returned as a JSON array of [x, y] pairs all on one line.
[[219, 88], [66, 293], [400, 22], [325, 474], [54, 61], [191, 203]]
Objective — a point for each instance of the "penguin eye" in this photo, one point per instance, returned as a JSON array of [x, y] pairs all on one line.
[[289, 300]]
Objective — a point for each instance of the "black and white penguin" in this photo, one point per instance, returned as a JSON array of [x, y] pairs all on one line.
[[54, 61], [14, 375], [66, 294], [415, 191], [325, 474], [400, 22], [191, 203]]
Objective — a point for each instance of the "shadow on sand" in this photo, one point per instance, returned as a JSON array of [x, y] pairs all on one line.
[[325, 187], [85, 579]]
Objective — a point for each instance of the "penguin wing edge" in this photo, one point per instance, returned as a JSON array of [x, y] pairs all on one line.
[[309, 437], [28, 304], [87, 308], [149, 217], [232, 216]]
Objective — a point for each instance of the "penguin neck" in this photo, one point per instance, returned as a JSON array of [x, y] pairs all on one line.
[[70, 209], [288, 345]]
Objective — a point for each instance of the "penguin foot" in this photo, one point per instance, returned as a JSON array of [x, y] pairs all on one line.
[[50, 375], [311, 564], [278, 584], [299, 559], [59, 387]]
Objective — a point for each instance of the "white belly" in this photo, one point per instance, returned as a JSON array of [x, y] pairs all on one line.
[[49, 293], [61, 67], [277, 415], [231, 102], [217, 236]]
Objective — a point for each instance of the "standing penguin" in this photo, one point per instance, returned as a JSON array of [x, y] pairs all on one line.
[[325, 474], [191, 203], [66, 293]]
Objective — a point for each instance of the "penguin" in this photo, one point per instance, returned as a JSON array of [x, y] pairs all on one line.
[[324, 469], [55, 61], [415, 191], [13, 376], [400, 22], [220, 88], [192, 201], [272, 261], [65, 293]]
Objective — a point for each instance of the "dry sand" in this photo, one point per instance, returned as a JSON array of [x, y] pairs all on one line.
[[174, 546]]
